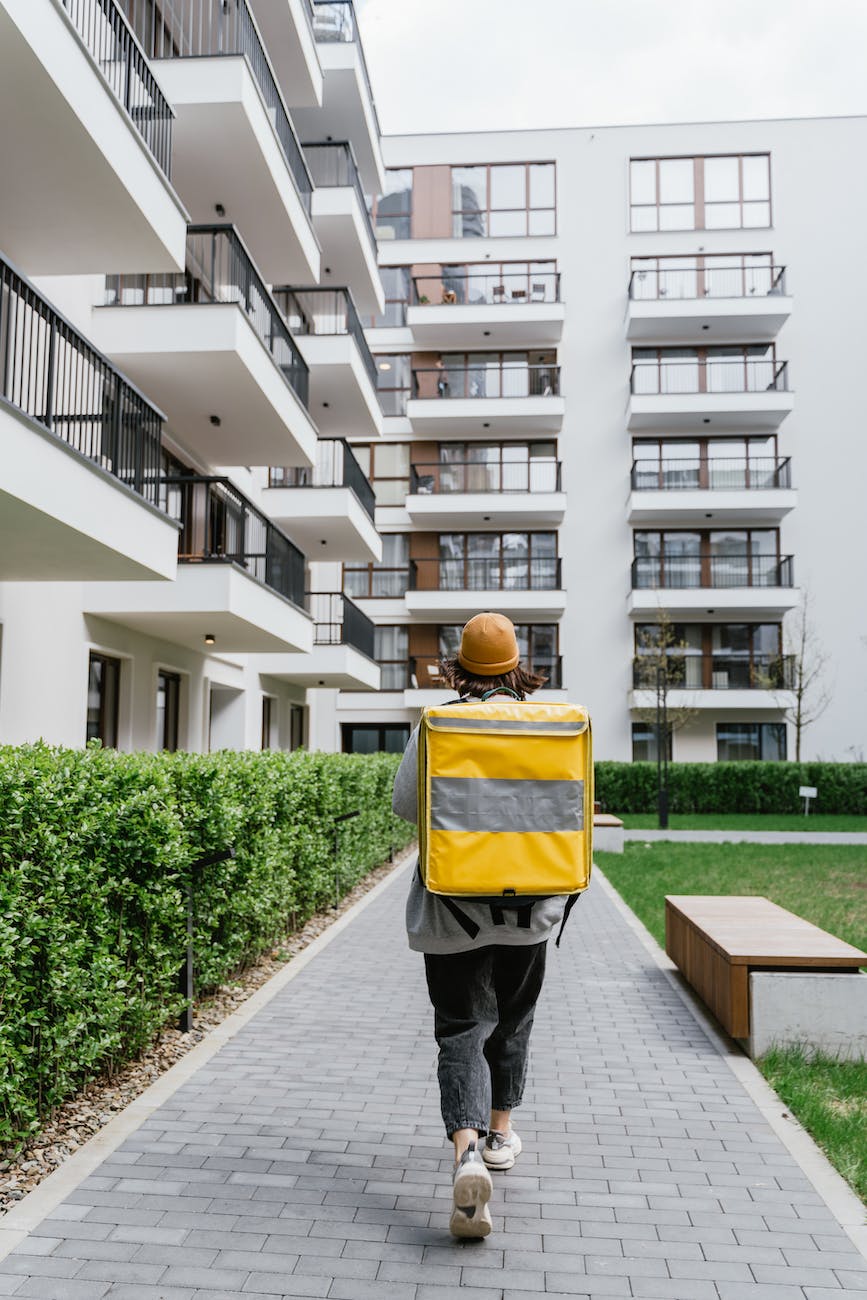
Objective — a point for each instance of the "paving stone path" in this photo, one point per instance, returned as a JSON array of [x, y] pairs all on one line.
[[306, 1158]]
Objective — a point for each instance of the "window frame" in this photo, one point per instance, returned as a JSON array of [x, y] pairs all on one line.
[[348, 728], [407, 216], [650, 740], [699, 201], [114, 667], [170, 683], [457, 214], [760, 729]]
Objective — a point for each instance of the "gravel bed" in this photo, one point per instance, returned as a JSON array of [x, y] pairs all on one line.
[[73, 1123]]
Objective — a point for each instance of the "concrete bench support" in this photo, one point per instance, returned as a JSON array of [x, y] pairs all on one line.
[[607, 833], [822, 1012]]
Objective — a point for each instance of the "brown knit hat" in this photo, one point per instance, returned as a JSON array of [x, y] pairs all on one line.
[[489, 646]]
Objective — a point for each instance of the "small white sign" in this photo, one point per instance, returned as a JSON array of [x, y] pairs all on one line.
[[808, 792]]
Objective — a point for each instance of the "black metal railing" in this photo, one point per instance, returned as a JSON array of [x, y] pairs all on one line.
[[753, 474], [714, 278], [334, 22], [735, 374], [718, 672], [219, 270], [494, 380], [332, 164], [486, 573], [220, 526], [324, 311], [712, 571], [423, 672], [465, 288], [338, 621], [335, 466], [52, 374], [109, 38], [541, 474], [208, 28]]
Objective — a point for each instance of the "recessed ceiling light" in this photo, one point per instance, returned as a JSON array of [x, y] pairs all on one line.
[[210, 639], [385, 365]]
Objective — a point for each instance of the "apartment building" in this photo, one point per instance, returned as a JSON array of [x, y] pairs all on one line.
[[185, 248], [619, 376]]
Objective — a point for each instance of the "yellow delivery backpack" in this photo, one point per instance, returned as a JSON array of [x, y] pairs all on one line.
[[505, 799]]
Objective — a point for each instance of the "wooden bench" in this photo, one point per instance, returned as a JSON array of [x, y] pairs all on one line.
[[716, 940]]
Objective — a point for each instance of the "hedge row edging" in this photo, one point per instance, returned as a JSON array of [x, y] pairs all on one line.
[[733, 787]]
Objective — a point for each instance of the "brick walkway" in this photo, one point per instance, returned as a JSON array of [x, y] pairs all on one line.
[[306, 1159]]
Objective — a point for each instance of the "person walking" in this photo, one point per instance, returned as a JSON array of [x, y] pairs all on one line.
[[484, 978]]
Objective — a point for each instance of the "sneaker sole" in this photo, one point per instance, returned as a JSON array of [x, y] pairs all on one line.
[[471, 1216], [493, 1161]]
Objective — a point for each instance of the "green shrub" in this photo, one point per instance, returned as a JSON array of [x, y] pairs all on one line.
[[97, 851], [733, 787]]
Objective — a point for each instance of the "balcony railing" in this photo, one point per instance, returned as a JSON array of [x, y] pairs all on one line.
[[219, 269], [52, 374], [335, 466], [653, 571], [489, 573], [495, 380], [210, 28], [332, 164], [220, 526], [515, 288], [719, 673], [714, 375], [754, 474], [109, 38], [325, 311], [424, 673], [337, 621], [714, 279], [541, 474], [334, 22]]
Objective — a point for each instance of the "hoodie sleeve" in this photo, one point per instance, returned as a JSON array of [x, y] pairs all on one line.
[[404, 800]]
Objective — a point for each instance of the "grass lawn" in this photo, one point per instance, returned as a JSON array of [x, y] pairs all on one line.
[[748, 822], [825, 884]]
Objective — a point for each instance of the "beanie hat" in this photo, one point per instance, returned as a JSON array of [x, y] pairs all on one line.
[[489, 646]]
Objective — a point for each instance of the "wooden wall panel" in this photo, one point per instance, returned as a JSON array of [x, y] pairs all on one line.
[[432, 203]]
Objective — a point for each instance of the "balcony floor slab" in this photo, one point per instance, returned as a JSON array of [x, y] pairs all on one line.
[[342, 395], [348, 254], [288, 37], [340, 667], [754, 506], [708, 412], [733, 602], [479, 417], [751, 701], [707, 320], [439, 510], [326, 523], [522, 606], [486, 325], [347, 111]]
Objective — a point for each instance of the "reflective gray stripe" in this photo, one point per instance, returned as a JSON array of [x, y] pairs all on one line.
[[459, 803], [501, 724]]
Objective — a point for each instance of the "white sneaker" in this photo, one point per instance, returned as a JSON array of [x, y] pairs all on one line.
[[471, 1192], [500, 1150]]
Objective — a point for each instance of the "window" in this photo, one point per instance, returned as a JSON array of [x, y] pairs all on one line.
[[392, 211], [490, 467], [504, 199], [488, 283], [393, 379], [537, 643], [489, 374], [495, 562], [644, 747], [714, 656], [731, 557], [168, 710], [103, 693], [386, 577], [391, 652], [738, 742], [296, 726], [267, 720], [386, 466], [374, 738], [396, 284], [729, 192], [745, 368], [678, 463]]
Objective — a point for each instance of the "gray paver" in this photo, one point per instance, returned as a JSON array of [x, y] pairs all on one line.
[[306, 1158]]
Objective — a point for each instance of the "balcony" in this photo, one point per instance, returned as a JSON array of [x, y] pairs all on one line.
[[348, 109], [342, 655], [691, 393], [727, 491], [454, 309], [240, 583], [287, 33], [329, 336], [86, 150], [235, 149], [506, 494], [328, 510], [213, 349], [719, 682], [717, 300], [452, 590], [760, 586], [342, 222], [81, 455], [486, 400]]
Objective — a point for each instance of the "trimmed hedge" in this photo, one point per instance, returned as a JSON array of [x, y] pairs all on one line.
[[733, 787], [97, 850]]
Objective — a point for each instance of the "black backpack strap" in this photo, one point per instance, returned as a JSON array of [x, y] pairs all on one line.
[[570, 903], [525, 916], [465, 922], [497, 914]]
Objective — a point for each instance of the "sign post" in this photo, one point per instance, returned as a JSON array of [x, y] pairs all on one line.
[[807, 792]]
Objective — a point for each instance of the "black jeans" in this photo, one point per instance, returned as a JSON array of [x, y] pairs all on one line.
[[484, 1002]]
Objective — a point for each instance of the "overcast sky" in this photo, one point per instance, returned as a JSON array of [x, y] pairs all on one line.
[[463, 65]]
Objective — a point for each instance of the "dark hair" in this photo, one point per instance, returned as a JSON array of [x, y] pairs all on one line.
[[521, 680]]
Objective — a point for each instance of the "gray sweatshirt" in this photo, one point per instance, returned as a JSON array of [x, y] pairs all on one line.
[[430, 926]]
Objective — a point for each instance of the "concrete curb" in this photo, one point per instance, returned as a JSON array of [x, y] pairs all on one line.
[[846, 1207], [37, 1205]]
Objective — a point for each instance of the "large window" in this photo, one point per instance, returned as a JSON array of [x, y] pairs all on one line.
[[483, 283], [374, 738], [503, 199], [497, 562], [386, 577], [489, 467], [729, 192], [386, 466], [396, 282], [667, 464], [391, 652], [738, 742], [168, 710], [644, 746], [103, 695], [744, 368], [392, 211], [724, 557], [714, 656], [393, 380], [489, 374], [706, 275]]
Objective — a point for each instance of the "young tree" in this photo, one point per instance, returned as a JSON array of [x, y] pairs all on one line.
[[660, 667], [810, 691]]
